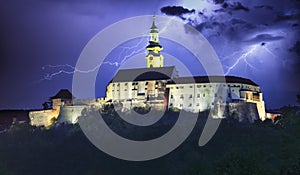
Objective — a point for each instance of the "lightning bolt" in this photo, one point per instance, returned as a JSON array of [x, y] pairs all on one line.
[[165, 25], [137, 50], [128, 51], [269, 51], [244, 58], [253, 50]]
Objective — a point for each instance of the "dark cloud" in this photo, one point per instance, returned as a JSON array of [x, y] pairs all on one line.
[[99, 8], [293, 17], [264, 38], [230, 7], [235, 6], [220, 10], [231, 29], [271, 24], [295, 81], [38, 32], [266, 7], [205, 25], [236, 21], [176, 10], [219, 1], [241, 25], [296, 48]]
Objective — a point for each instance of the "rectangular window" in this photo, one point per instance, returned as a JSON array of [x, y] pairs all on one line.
[[203, 95], [171, 96], [198, 86], [191, 96], [180, 105], [181, 96], [191, 86], [190, 104], [198, 95]]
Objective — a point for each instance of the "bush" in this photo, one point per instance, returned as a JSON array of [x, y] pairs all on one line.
[[142, 110]]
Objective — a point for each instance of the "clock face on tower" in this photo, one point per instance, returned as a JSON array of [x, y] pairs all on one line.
[[151, 58]]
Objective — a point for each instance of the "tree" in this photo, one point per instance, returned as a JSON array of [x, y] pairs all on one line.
[[47, 105], [3, 170], [298, 99]]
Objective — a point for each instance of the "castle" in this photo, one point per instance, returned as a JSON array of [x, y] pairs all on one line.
[[161, 88]]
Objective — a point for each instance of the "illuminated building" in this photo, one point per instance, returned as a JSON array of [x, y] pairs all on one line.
[[160, 87], [48, 116]]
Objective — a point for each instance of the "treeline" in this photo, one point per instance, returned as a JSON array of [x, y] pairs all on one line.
[[236, 148]]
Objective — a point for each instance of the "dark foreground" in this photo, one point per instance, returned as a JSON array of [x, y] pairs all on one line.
[[236, 149]]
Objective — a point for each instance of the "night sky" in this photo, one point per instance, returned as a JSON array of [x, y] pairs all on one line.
[[41, 40]]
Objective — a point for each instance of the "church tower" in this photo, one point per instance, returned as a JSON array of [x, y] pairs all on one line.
[[154, 58]]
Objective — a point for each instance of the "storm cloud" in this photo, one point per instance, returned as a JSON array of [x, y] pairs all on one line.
[[36, 33], [176, 10], [262, 34], [264, 38], [296, 49], [235, 6]]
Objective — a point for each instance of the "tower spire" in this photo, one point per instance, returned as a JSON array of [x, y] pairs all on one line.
[[154, 23], [154, 58]]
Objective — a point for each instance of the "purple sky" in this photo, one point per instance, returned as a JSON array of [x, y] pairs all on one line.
[[253, 39]]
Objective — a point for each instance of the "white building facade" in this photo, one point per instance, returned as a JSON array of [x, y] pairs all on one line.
[[160, 87]]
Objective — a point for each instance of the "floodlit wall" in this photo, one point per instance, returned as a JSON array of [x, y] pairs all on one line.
[[43, 117], [70, 114], [203, 96]]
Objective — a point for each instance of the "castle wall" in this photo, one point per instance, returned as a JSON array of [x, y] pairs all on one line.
[[138, 93], [193, 97], [70, 114], [43, 117], [202, 96], [243, 111]]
